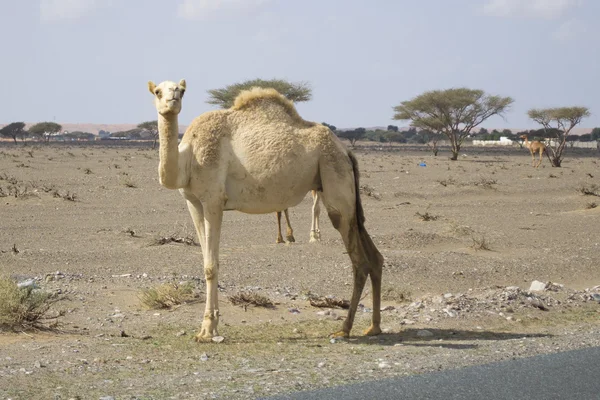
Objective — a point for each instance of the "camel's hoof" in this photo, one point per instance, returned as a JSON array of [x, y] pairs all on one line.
[[279, 240], [200, 338], [291, 239], [340, 334], [373, 331]]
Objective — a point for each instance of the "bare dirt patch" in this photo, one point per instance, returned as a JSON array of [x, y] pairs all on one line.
[[456, 287]]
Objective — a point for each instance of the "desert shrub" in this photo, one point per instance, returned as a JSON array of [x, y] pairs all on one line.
[[26, 308], [167, 295]]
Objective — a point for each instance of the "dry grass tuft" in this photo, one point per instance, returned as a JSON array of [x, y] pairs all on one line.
[[167, 295], [328, 302], [480, 243], [393, 294], [250, 298], [187, 240], [370, 191], [26, 308], [591, 190], [426, 216]]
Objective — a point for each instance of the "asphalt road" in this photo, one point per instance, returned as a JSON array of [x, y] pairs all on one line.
[[567, 375]]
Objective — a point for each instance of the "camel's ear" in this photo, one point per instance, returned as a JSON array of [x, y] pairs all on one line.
[[182, 83], [151, 86]]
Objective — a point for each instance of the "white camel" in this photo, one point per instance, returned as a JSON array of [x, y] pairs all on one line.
[[260, 156]]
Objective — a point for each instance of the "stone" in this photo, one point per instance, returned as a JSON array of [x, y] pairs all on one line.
[[218, 339], [537, 286], [204, 357], [180, 333]]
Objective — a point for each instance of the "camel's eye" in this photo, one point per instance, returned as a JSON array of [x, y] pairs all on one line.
[[157, 92]]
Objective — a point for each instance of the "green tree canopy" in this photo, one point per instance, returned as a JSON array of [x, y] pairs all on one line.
[[296, 92], [353, 135], [45, 129], [595, 134], [453, 112], [14, 130], [152, 128], [560, 121]]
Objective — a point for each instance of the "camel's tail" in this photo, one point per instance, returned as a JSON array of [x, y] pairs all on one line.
[[372, 254], [360, 213]]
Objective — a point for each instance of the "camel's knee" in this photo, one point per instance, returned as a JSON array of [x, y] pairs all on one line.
[[210, 272]]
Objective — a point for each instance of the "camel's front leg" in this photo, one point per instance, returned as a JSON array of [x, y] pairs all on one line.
[[213, 217]]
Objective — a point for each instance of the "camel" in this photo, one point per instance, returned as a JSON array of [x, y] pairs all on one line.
[[257, 157], [315, 233], [534, 147]]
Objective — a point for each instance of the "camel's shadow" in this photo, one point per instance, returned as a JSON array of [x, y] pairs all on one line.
[[445, 338]]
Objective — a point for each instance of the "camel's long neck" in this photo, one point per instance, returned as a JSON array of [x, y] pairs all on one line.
[[527, 143], [169, 168]]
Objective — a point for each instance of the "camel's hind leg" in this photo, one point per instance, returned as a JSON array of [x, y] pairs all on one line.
[[289, 235], [315, 232], [279, 236], [343, 206], [540, 161]]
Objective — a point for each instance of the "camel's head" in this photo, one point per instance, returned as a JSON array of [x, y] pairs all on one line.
[[167, 96], [523, 137]]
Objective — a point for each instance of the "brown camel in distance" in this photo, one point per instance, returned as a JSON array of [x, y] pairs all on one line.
[[240, 159], [534, 147]]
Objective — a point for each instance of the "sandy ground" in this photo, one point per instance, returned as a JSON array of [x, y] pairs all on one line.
[[495, 222]]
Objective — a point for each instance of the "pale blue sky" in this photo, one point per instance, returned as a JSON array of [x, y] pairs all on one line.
[[89, 60]]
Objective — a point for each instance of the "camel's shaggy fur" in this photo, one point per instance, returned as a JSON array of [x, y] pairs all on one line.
[[260, 156]]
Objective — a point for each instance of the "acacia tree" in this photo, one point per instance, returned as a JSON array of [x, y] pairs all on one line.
[[352, 135], [152, 128], [558, 123], [45, 130], [296, 92], [14, 130], [453, 112]]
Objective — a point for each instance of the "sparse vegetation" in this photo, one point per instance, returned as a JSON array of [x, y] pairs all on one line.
[[480, 243], [447, 182], [370, 191], [591, 190], [329, 302], [26, 308], [173, 238], [591, 205], [426, 216], [245, 299], [393, 294], [167, 295]]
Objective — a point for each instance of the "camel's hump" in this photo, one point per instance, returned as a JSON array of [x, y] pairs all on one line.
[[247, 98]]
